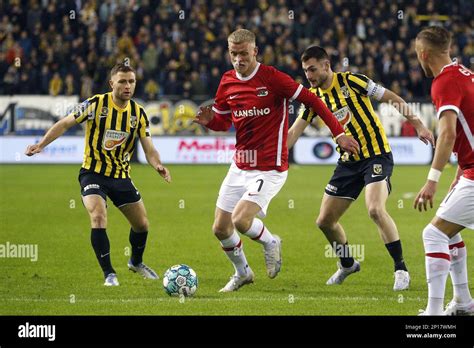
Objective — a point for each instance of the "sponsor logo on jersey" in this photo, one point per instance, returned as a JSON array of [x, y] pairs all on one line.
[[262, 91], [113, 138], [91, 186], [377, 169], [251, 112], [343, 115]]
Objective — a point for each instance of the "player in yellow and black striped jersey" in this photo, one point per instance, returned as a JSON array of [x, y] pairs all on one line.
[[113, 123], [348, 96], [111, 134]]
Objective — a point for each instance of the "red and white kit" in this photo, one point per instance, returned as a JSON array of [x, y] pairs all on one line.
[[257, 105], [453, 89]]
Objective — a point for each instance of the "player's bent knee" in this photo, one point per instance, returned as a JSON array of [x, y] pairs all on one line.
[[98, 220], [241, 223], [376, 213], [221, 232], [324, 222], [141, 226]]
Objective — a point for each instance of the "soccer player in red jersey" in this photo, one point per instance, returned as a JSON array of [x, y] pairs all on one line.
[[452, 92], [254, 97]]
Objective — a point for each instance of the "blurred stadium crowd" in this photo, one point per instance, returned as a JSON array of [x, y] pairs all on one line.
[[179, 47]]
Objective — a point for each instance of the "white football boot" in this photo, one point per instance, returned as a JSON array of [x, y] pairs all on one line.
[[236, 282], [273, 257], [111, 280], [402, 280], [454, 308], [143, 270], [343, 272]]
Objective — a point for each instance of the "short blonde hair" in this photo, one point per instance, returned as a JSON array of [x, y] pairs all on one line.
[[436, 37], [241, 36]]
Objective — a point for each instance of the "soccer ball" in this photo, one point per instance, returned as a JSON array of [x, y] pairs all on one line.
[[180, 280]]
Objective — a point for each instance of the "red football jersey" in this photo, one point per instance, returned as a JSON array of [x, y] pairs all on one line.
[[453, 89], [257, 105]]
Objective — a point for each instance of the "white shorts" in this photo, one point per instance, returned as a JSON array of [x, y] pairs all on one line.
[[251, 185], [458, 205]]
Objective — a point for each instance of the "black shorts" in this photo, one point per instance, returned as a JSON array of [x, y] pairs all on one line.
[[350, 178], [120, 191]]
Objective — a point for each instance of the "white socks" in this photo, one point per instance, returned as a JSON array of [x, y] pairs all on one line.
[[259, 233], [233, 248], [437, 261], [458, 270]]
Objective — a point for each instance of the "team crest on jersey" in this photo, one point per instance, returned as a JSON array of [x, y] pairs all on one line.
[[104, 112], [345, 92], [133, 121], [113, 138], [377, 169], [343, 115], [262, 91]]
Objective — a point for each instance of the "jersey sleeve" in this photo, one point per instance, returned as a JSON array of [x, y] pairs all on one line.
[[143, 124], [359, 83], [220, 103], [85, 110], [285, 86], [446, 96], [306, 113]]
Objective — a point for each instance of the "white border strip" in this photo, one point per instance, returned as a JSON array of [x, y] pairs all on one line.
[[447, 107], [297, 93], [467, 130], [280, 135], [221, 112]]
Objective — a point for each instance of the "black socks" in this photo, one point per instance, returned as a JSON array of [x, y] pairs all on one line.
[[101, 245], [138, 242], [395, 250]]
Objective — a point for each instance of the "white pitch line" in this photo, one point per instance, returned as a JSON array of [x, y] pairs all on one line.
[[232, 299]]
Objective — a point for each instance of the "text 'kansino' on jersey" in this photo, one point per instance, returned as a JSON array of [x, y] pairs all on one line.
[[111, 134], [258, 107]]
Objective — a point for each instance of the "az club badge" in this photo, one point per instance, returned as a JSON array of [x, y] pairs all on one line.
[[262, 91]]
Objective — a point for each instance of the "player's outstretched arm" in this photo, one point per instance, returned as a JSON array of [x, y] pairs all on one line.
[[346, 143], [58, 129], [295, 131], [446, 140], [424, 134], [153, 158], [208, 118]]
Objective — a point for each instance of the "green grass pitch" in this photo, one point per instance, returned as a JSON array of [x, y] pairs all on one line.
[[40, 204]]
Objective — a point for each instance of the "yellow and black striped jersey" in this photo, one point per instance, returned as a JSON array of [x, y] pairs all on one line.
[[348, 99], [111, 133]]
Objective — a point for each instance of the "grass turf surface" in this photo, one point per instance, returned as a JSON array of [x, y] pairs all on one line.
[[41, 205]]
